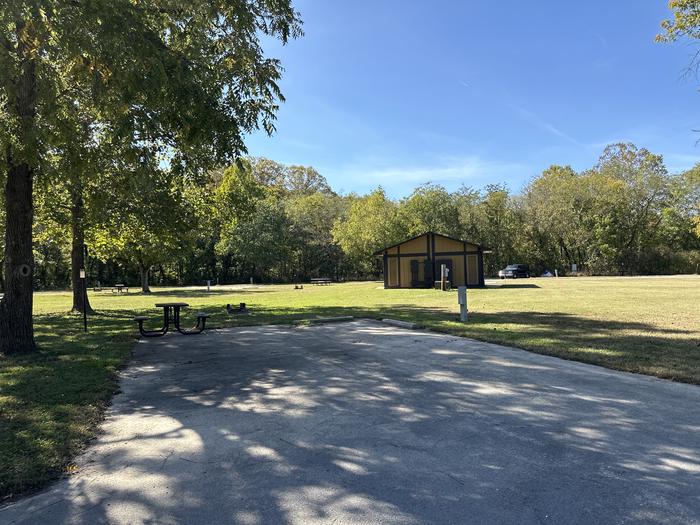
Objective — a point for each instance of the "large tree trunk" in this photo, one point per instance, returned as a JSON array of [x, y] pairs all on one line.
[[2, 272], [144, 278], [16, 330], [77, 254]]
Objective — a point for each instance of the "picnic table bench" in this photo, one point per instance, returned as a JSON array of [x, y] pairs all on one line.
[[171, 317], [321, 281], [119, 288]]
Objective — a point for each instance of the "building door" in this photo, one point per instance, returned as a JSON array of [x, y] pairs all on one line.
[[416, 275], [427, 273], [438, 266]]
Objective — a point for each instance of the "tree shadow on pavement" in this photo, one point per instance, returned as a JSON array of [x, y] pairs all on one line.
[[360, 422]]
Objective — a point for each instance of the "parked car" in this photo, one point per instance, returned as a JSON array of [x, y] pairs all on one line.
[[514, 271]]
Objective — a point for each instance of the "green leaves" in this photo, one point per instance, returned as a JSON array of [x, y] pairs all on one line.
[[371, 223], [685, 25], [136, 90], [685, 21]]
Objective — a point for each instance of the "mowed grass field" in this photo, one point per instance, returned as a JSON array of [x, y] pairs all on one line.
[[51, 402]]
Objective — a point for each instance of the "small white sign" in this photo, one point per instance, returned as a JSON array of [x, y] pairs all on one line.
[[82, 273]]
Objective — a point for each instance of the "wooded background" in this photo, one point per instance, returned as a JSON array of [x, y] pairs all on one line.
[[261, 219]]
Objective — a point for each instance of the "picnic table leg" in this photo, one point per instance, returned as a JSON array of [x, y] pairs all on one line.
[[176, 317], [166, 324], [151, 333], [155, 333], [201, 321], [198, 328]]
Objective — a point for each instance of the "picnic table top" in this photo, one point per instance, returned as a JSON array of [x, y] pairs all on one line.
[[119, 285], [165, 305]]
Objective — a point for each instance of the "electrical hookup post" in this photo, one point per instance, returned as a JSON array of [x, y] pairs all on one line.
[[84, 281], [444, 273], [462, 300]]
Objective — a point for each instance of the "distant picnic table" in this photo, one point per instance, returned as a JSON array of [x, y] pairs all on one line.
[[321, 281], [119, 288]]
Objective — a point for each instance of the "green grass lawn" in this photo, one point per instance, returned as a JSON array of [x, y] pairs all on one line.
[[51, 402]]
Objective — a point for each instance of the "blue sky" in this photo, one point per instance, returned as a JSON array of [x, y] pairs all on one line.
[[397, 93]]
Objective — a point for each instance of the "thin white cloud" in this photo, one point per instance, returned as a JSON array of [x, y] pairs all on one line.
[[543, 124], [463, 170], [400, 180]]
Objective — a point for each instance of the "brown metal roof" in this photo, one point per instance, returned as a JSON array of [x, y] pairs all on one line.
[[379, 252]]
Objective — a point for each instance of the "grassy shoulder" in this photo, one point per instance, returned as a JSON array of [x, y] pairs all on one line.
[[52, 401]]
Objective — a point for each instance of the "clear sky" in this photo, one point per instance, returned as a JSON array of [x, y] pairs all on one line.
[[399, 93]]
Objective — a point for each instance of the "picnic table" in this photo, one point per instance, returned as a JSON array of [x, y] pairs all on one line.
[[321, 281], [119, 288], [171, 317]]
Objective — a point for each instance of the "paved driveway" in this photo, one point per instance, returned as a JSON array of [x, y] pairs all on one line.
[[366, 423]]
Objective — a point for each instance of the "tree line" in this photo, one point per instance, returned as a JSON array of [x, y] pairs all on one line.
[[275, 223]]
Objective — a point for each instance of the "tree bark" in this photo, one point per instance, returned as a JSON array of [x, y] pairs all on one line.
[[16, 330], [144, 278], [2, 273], [16, 327], [77, 254]]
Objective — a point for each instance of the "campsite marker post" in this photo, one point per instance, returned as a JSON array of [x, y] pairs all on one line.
[[83, 278], [84, 282], [462, 300], [444, 273]]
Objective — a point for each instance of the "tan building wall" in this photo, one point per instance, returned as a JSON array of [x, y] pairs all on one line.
[[393, 274], [472, 270], [442, 244], [418, 245], [406, 263]]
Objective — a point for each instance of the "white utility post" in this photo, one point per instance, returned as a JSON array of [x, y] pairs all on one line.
[[208, 285], [84, 282], [444, 274], [462, 300]]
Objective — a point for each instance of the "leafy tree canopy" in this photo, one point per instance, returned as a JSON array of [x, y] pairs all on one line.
[[685, 21]]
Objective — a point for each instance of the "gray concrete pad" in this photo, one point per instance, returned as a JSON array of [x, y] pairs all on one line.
[[367, 423]]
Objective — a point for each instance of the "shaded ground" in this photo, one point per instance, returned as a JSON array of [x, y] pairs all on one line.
[[365, 423], [51, 401]]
